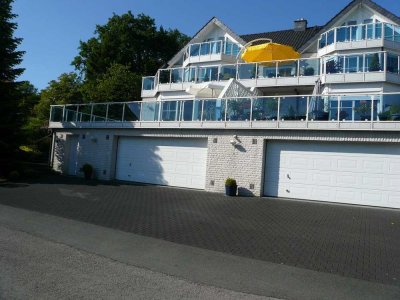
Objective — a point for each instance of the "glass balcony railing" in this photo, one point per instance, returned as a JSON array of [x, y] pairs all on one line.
[[148, 83], [211, 48], [339, 108], [336, 64], [361, 32]]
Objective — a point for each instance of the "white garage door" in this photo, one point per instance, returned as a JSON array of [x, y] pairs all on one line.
[[365, 174], [164, 161]]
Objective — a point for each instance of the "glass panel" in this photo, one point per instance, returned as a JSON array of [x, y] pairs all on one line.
[[357, 33], [355, 108], [309, 67], [150, 111], [318, 109], [392, 63], [215, 47], [396, 33], [99, 112], [194, 50], [169, 110], [190, 110], [207, 74], [330, 37], [205, 49], [334, 65], [389, 108], [354, 64], [164, 76], [293, 108], [176, 75], [247, 71], [370, 31], [56, 114], [70, 113], [238, 109], [228, 72], [189, 75], [84, 113], [148, 83], [265, 109], [267, 70], [343, 34], [115, 112], [332, 103], [132, 111], [322, 41], [287, 68], [231, 48], [378, 30], [214, 110], [374, 62], [197, 107], [389, 34]]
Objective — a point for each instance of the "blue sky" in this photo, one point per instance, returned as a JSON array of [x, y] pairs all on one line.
[[52, 29]]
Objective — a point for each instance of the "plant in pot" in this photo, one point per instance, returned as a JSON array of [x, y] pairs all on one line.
[[230, 187], [87, 170]]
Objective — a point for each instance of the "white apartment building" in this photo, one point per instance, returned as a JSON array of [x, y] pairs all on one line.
[[324, 127]]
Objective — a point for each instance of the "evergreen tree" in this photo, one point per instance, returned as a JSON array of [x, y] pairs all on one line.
[[10, 58]]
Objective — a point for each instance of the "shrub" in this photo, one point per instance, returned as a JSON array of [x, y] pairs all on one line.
[[230, 182], [87, 169], [13, 175], [30, 173]]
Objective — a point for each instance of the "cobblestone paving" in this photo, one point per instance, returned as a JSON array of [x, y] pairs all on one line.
[[351, 241]]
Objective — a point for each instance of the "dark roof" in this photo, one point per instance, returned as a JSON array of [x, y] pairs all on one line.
[[290, 37]]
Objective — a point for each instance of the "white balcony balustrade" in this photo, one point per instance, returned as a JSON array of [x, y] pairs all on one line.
[[364, 67], [357, 111], [360, 36]]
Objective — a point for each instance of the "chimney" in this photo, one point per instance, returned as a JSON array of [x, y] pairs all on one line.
[[300, 25]]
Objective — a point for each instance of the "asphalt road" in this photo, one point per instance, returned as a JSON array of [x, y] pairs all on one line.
[[35, 268]]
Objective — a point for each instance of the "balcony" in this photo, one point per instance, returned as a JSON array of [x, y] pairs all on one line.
[[319, 112], [211, 51], [372, 35], [264, 74], [365, 67]]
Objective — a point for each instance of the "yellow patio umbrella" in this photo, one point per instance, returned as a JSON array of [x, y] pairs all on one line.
[[268, 52]]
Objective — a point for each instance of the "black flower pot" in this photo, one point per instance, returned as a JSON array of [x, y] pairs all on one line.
[[230, 190]]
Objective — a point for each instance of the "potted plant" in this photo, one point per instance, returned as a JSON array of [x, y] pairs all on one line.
[[87, 170], [230, 187]]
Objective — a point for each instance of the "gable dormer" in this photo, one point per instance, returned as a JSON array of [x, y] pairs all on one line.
[[362, 24], [215, 42]]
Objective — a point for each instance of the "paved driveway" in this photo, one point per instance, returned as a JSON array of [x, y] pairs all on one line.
[[351, 241]]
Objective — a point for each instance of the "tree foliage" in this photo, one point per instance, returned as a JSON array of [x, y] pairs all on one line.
[[10, 58], [117, 84], [130, 41]]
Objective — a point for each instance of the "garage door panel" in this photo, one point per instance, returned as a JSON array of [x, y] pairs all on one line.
[[353, 173], [175, 162]]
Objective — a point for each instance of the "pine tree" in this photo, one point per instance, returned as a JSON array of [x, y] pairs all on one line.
[[10, 58]]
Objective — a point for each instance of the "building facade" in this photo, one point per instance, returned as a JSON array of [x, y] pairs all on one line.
[[323, 127]]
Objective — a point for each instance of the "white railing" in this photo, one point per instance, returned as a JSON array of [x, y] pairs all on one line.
[[308, 108], [212, 48], [334, 64], [361, 32]]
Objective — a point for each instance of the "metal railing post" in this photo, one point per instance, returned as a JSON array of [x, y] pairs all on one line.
[[107, 106], [63, 114], [226, 109], [77, 113], [123, 112], [91, 112]]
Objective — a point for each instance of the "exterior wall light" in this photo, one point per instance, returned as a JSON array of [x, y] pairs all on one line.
[[234, 141]]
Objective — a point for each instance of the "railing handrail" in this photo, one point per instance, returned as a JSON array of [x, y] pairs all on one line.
[[238, 97]]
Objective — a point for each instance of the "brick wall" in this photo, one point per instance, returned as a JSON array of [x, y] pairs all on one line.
[[244, 162]]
